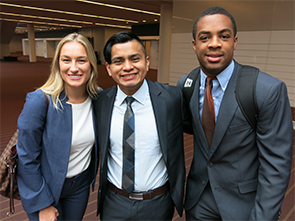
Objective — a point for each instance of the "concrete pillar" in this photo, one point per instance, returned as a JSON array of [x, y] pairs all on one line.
[[32, 45], [165, 43]]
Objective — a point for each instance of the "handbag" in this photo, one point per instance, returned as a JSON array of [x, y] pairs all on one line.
[[8, 165], [8, 168]]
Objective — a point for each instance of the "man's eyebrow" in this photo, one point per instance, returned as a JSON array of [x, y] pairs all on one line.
[[203, 33], [131, 56], [117, 57], [136, 54], [225, 30], [208, 32]]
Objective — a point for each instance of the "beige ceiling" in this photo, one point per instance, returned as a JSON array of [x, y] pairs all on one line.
[[68, 7]]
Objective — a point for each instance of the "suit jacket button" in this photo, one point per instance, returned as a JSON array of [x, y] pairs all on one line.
[[204, 182], [210, 164]]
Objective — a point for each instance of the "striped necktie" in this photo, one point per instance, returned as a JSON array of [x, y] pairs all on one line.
[[128, 148]]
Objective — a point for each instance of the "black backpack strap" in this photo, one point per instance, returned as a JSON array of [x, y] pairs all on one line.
[[189, 84], [246, 93]]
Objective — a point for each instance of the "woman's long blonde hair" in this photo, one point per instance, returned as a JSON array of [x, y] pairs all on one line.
[[55, 84]]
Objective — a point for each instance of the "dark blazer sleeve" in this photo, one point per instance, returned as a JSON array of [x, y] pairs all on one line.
[[274, 141]]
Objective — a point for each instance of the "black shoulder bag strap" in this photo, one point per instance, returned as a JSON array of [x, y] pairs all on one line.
[[246, 93], [189, 85]]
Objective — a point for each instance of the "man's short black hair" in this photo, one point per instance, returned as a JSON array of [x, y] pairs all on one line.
[[213, 11], [121, 37]]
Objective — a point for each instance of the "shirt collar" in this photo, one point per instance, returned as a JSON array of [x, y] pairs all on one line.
[[140, 95], [223, 77]]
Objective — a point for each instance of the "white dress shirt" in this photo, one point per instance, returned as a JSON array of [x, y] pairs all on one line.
[[150, 169]]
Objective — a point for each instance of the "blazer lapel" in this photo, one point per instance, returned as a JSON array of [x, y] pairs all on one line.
[[105, 118], [227, 110], [196, 118], [159, 107]]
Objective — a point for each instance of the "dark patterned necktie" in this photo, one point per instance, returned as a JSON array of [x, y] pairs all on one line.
[[208, 113], [128, 148]]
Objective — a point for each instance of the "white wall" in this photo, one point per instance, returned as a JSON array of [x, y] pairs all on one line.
[[271, 51], [45, 47], [183, 58]]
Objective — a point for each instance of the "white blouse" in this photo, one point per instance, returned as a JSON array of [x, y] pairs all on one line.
[[82, 138]]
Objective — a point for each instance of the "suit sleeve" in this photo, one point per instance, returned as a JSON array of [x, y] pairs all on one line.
[[274, 141], [35, 193]]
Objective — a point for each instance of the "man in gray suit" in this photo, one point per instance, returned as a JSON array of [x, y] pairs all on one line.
[[244, 173], [159, 169]]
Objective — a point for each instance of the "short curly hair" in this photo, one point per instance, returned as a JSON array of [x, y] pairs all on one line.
[[213, 11]]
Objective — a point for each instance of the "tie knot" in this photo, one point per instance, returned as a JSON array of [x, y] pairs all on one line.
[[129, 100], [209, 79]]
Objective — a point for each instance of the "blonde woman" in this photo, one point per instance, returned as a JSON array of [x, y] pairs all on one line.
[[56, 144]]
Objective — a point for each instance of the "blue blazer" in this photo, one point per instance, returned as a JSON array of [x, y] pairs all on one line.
[[167, 102], [248, 170], [44, 143]]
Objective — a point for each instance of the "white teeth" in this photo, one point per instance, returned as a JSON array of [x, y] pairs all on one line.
[[129, 75], [74, 76]]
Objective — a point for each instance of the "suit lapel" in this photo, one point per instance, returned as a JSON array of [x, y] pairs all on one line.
[[160, 110], [196, 118], [105, 118], [227, 110]]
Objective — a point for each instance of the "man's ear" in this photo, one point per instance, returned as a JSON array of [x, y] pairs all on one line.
[[194, 45], [235, 42], [147, 63], [108, 69]]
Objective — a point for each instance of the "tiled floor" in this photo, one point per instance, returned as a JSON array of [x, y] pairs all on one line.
[[21, 77]]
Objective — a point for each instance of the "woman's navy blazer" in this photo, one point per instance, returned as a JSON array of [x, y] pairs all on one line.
[[44, 144]]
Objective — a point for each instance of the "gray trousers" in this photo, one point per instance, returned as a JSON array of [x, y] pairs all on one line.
[[118, 207], [205, 209]]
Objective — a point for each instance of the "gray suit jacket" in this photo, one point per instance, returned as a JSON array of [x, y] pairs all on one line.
[[167, 104], [248, 170]]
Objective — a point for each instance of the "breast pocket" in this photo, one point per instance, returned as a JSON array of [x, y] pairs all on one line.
[[236, 128], [239, 123]]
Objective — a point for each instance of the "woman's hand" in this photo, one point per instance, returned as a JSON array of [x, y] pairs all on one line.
[[49, 213]]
